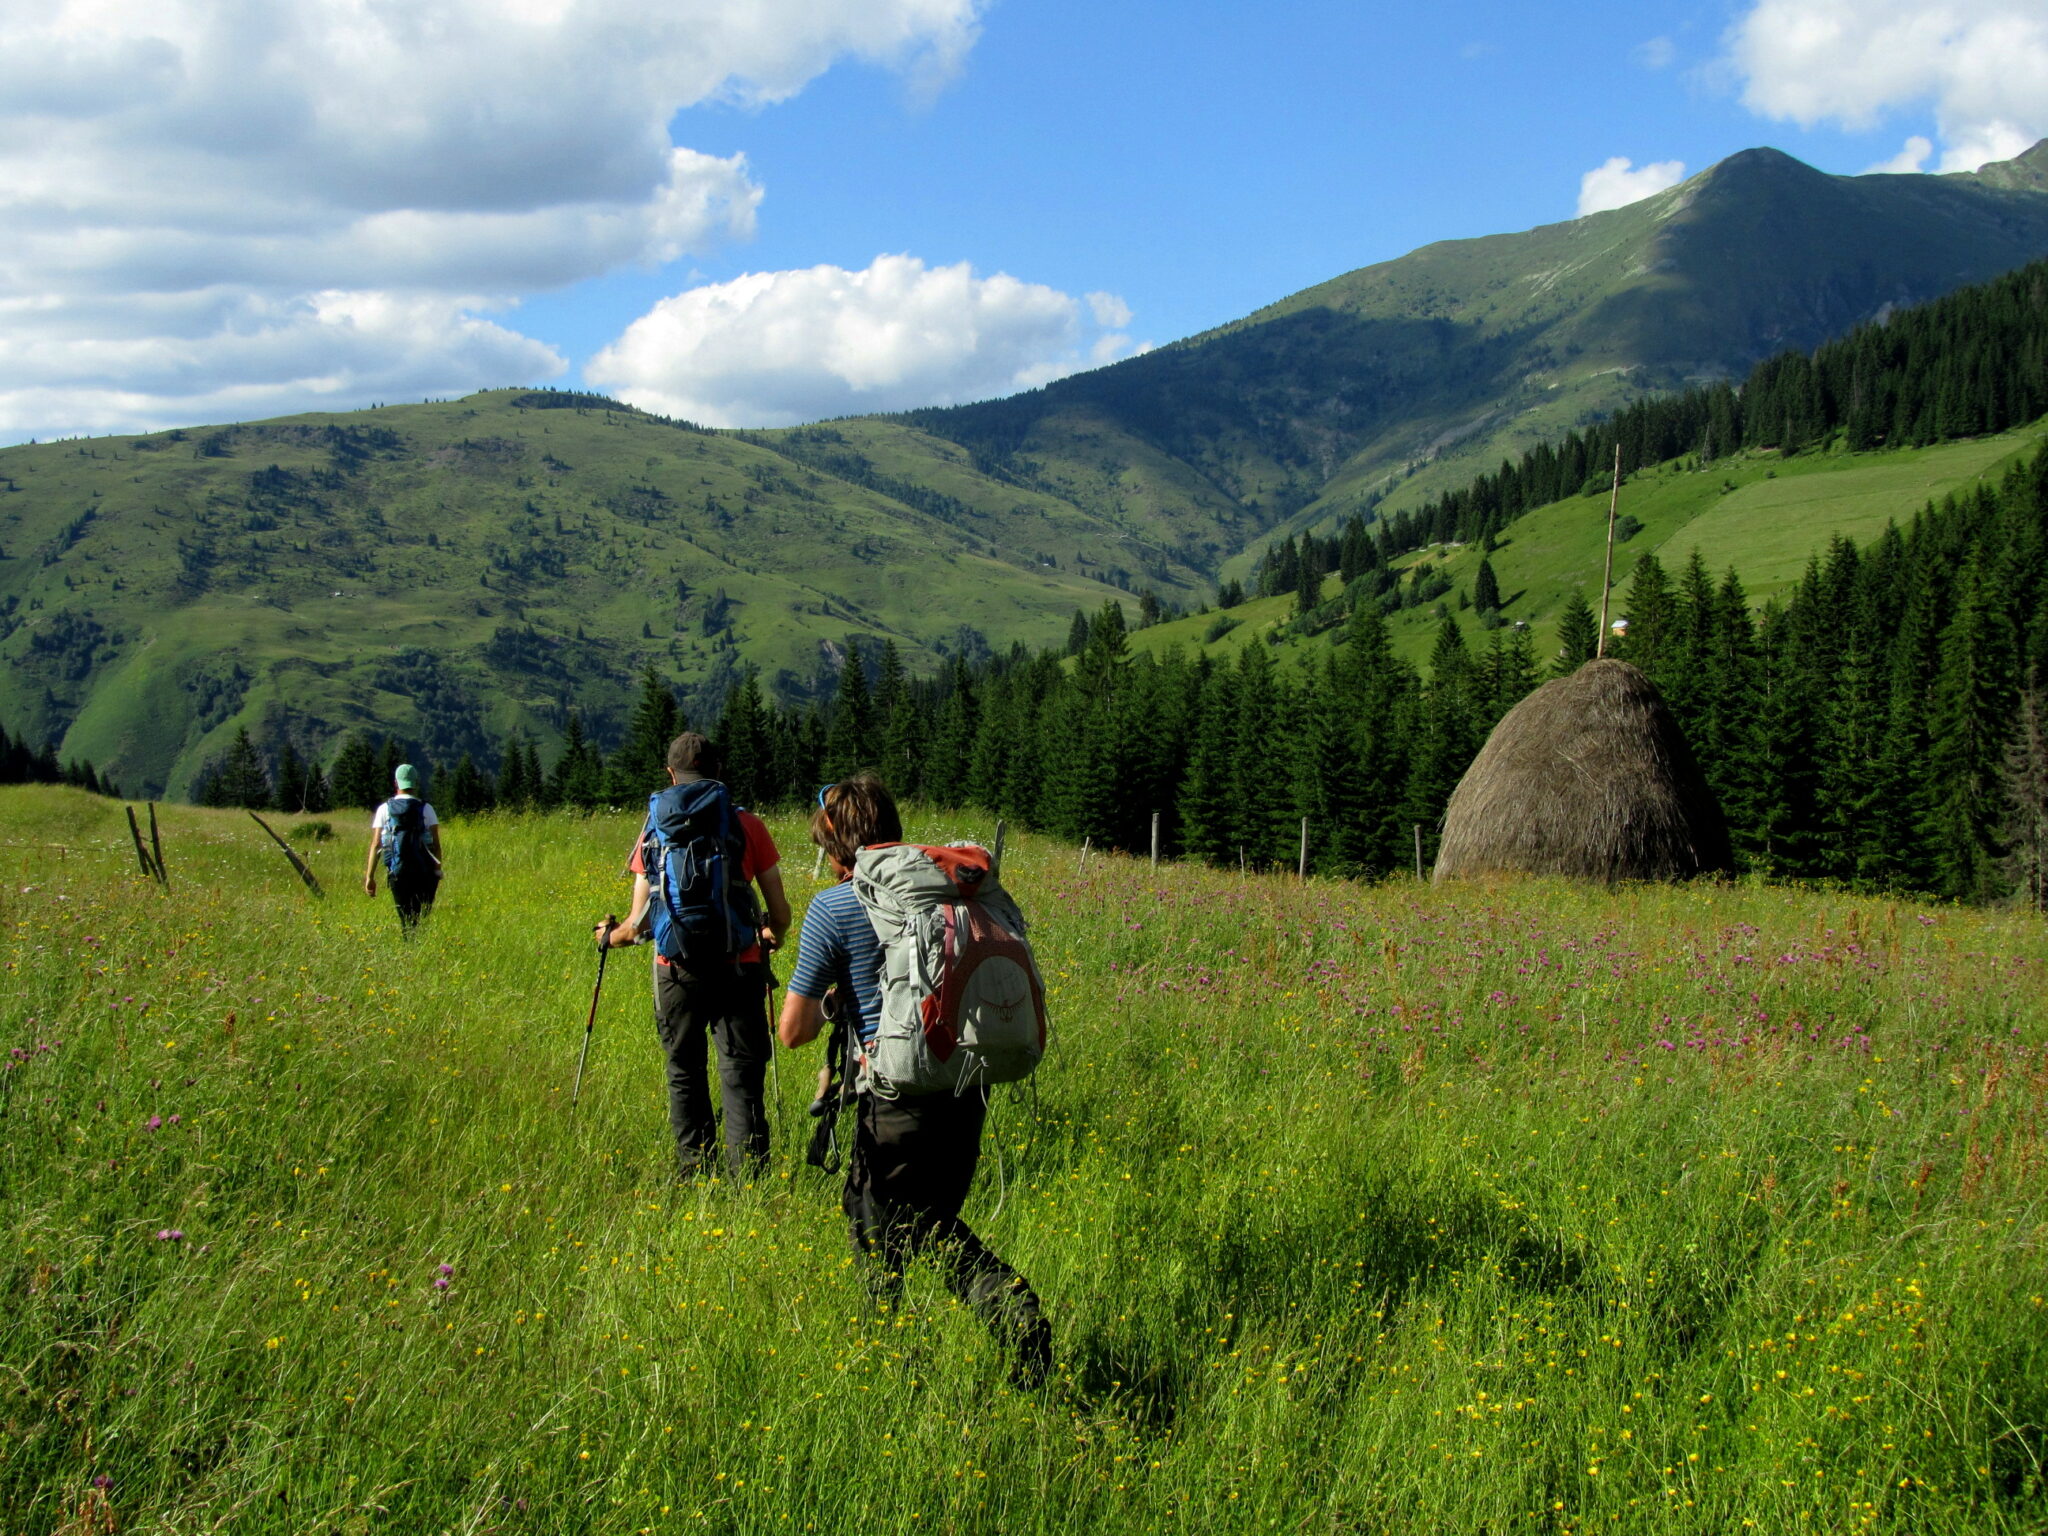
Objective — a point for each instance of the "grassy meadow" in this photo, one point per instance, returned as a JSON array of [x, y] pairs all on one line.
[[1761, 515], [1505, 1207]]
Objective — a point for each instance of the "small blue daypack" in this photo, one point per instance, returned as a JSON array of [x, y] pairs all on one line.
[[406, 855], [703, 905]]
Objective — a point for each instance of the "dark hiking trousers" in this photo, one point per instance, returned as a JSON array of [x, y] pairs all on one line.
[[913, 1162], [730, 1006], [414, 898]]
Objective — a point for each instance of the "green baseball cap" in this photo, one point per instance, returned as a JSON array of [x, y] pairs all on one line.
[[407, 776]]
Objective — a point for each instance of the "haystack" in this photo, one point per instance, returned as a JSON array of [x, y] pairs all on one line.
[[1589, 776]]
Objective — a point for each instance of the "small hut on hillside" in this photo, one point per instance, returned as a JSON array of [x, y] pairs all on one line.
[[1589, 776]]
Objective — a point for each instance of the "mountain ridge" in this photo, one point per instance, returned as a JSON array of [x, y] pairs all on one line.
[[479, 561]]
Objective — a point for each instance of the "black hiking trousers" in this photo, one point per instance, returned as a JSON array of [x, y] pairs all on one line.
[[413, 895], [913, 1163], [730, 1005]]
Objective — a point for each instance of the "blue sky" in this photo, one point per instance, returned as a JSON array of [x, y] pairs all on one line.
[[757, 211]]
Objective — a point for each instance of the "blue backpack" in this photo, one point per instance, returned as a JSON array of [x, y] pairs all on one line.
[[406, 855], [703, 906]]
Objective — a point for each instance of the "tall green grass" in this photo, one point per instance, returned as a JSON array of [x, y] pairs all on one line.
[[1514, 1207]]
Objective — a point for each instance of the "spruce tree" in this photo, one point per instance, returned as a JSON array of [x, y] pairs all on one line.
[[2025, 783], [238, 777], [1578, 635], [639, 767], [850, 743], [744, 737], [1486, 590], [357, 780], [578, 777], [1210, 794], [1969, 718]]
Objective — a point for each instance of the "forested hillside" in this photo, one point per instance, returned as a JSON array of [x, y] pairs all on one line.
[[1882, 726]]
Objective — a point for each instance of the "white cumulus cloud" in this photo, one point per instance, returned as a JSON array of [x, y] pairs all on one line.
[[188, 184], [1911, 158], [773, 348], [1619, 182], [1981, 64]]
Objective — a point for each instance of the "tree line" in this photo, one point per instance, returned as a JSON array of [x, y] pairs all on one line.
[[1964, 365], [1882, 727], [21, 763]]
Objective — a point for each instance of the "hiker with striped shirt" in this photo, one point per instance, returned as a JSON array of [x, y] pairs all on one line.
[[914, 1155]]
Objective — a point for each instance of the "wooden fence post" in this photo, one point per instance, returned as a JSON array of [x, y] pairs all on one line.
[[1304, 849], [1155, 839], [1418, 850]]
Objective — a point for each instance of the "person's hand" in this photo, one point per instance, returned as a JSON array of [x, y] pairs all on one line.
[[770, 939], [602, 933], [370, 884]]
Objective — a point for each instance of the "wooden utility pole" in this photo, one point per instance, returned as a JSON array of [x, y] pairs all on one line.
[[1607, 580]]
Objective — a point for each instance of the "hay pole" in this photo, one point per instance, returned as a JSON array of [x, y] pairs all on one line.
[[1302, 873], [1155, 840], [298, 863], [156, 849], [995, 858], [1083, 859], [1418, 850], [1607, 580], [141, 853]]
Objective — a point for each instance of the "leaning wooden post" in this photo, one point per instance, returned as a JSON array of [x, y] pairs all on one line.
[[141, 853], [1083, 859], [298, 863], [156, 849], [1155, 839], [1304, 849], [995, 861], [1607, 580]]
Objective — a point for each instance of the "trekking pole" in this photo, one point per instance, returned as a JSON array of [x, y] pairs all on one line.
[[604, 950]]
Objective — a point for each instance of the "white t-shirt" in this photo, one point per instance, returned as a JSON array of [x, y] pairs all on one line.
[[384, 814]]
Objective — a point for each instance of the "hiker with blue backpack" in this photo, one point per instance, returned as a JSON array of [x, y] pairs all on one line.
[[947, 1003], [695, 868], [405, 837]]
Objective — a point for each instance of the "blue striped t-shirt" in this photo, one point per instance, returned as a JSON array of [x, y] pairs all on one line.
[[837, 943]]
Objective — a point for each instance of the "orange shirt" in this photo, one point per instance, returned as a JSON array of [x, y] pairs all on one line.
[[761, 856]]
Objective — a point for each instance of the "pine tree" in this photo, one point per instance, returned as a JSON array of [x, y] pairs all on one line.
[[470, 790], [1969, 715], [850, 743], [640, 765], [1210, 794], [2025, 783], [1578, 635], [294, 779], [744, 737], [238, 778], [578, 777], [1652, 615], [357, 781], [1485, 590], [949, 756], [899, 725]]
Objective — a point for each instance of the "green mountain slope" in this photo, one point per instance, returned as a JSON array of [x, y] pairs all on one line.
[[1406, 378], [1760, 515], [454, 571]]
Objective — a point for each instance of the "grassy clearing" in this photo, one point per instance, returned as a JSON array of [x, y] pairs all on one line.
[[1761, 515], [1514, 1207]]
